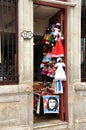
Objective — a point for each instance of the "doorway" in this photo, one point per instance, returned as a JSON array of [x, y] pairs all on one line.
[[45, 19]]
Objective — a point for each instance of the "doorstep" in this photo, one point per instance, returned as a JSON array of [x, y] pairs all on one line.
[[51, 125], [15, 128]]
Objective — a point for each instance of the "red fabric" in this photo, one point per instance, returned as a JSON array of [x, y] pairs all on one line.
[[58, 50]]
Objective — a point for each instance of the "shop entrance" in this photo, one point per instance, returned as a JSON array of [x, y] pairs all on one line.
[[50, 54]]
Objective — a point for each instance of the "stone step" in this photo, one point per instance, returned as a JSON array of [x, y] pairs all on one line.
[[51, 125], [15, 128], [64, 129]]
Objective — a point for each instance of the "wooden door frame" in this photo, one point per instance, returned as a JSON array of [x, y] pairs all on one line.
[[64, 98], [54, 5]]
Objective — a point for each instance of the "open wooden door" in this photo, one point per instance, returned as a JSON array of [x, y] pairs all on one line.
[[59, 16]]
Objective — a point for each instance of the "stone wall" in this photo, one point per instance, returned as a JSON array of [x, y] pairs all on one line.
[[76, 91], [15, 106], [80, 106]]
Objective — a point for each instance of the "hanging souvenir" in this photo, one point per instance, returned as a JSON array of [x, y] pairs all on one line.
[[48, 57], [60, 73], [46, 37], [58, 87], [58, 50]]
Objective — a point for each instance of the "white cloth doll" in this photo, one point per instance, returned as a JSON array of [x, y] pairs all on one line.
[[60, 73]]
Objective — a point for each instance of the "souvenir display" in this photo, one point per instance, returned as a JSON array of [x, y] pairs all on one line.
[[52, 70]]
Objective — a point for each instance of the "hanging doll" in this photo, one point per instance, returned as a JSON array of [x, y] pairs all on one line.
[[46, 37], [44, 73], [46, 41], [50, 75], [52, 40], [58, 50], [60, 73], [43, 62], [46, 58], [57, 31]]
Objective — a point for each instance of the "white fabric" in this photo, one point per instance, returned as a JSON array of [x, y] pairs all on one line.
[[60, 73], [58, 87]]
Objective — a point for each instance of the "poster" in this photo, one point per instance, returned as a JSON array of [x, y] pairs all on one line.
[[51, 104]]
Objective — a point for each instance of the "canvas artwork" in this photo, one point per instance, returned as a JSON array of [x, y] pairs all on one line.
[[51, 104], [37, 103]]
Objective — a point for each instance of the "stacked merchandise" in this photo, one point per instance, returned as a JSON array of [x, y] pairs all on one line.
[[52, 66]]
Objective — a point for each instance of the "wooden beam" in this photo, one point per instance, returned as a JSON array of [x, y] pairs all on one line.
[[70, 4]]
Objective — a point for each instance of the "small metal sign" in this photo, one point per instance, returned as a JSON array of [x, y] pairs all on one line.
[[27, 34]]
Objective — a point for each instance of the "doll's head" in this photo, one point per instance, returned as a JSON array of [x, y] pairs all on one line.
[[52, 27], [59, 59], [58, 25], [56, 32]]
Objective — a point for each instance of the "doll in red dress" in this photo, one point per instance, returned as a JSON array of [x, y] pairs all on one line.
[[58, 50]]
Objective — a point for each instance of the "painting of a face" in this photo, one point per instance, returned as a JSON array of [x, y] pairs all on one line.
[[52, 103]]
